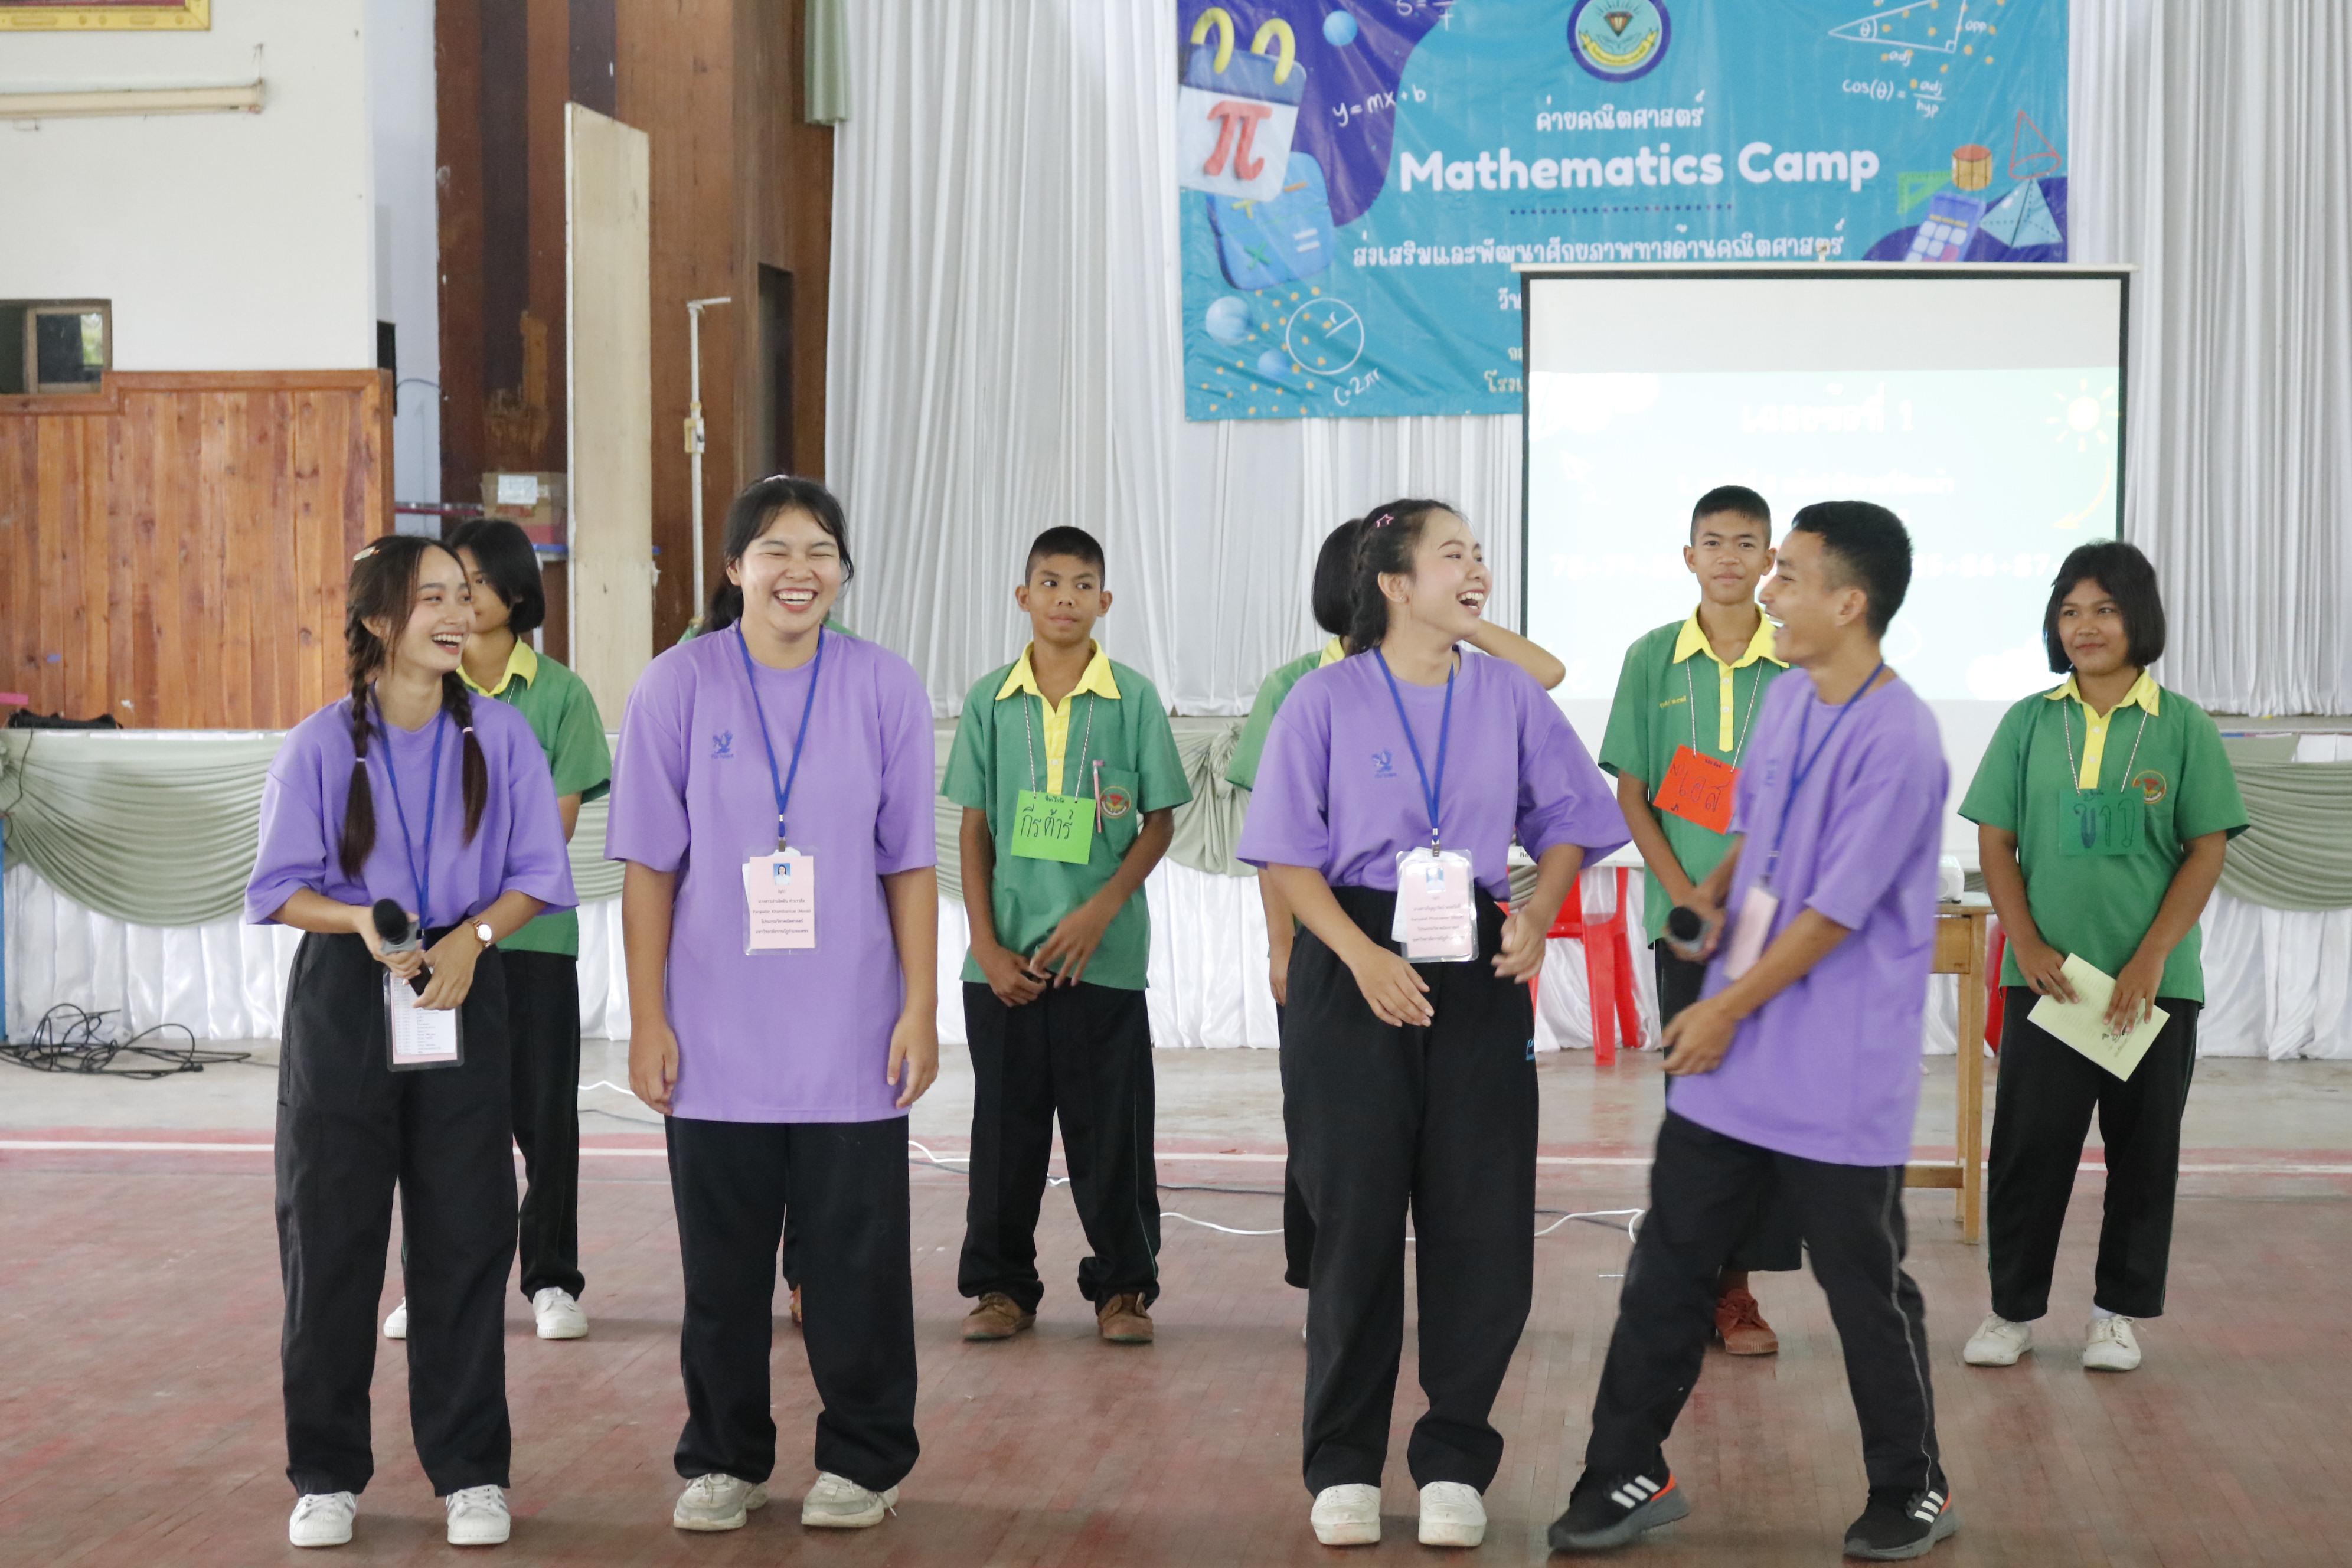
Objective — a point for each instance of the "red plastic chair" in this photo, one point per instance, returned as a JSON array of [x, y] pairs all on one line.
[[1608, 971], [1996, 999]]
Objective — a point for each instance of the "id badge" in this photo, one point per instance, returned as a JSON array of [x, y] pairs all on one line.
[[1749, 929], [1699, 790], [2101, 822], [417, 1037], [780, 902], [1436, 919], [1053, 827]]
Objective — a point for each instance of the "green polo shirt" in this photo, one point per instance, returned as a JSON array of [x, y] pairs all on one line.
[[1241, 772], [1669, 694], [565, 718], [2101, 906], [1001, 749]]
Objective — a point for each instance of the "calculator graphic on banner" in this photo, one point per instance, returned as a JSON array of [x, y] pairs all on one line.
[[1237, 113], [1263, 244], [1952, 220]]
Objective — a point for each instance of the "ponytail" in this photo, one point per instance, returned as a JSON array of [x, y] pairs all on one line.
[[459, 703], [359, 814], [1384, 547]]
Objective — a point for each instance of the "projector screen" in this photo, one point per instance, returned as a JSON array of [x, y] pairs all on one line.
[[1982, 405]]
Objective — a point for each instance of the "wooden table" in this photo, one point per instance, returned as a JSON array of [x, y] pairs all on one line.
[[1960, 950]]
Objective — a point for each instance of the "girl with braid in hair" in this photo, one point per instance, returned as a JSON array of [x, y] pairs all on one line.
[[410, 791]]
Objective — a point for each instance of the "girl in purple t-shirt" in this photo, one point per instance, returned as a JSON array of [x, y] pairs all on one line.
[[409, 792], [772, 797], [1409, 1085]]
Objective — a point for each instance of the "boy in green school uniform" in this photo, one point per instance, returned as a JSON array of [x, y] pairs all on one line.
[[1678, 732], [1066, 769], [2103, 810]]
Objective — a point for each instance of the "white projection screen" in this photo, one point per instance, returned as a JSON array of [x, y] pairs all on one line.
[[1983, 405]]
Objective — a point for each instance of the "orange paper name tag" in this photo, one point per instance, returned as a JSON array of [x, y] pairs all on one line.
[[1699, 789]]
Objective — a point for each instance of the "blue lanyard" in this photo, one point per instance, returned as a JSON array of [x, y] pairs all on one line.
[[1431, 791], [422, 875], [783, 785], [1803, 768]]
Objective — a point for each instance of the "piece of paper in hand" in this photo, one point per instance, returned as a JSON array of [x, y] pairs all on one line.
[[2083, 1023]]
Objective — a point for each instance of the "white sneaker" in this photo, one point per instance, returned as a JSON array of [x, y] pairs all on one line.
[[559, 1315], [395, 1322], [322, 1519], [1997, 1341], [1452, 1514], [2110, 1345], [1348, 1516], [717, 1502], [477, 1517], [836, 1502]]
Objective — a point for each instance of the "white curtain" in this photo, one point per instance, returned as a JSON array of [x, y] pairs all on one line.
[[2211, 146]]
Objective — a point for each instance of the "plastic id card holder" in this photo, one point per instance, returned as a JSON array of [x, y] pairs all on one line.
[[780, 902], [418, 1037], [1699, 789], [1436, 921], [1749, 926]]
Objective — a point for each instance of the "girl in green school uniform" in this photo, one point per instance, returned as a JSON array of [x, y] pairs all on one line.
[[2103, 809]]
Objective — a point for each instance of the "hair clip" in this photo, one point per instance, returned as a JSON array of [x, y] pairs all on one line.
[[365, 553], [1381, 519], [465, 730]]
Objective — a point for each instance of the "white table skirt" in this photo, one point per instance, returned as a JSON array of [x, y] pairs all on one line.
[[2278, 982]]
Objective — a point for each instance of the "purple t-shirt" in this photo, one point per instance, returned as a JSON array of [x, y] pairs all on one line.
[[778, 1037], [1336, 788], [1828, 1070], [517, 847]]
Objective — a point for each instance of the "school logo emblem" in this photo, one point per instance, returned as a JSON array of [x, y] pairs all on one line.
[[1115, 801], [1618, 40], [722, 746], [1384, 764], [2150, 784]]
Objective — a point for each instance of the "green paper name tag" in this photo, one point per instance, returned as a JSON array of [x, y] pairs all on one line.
[[1053, 827], [2101, 822]]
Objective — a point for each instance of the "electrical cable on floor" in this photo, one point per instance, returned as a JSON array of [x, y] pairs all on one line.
[[924, 1155], [71, 1039]]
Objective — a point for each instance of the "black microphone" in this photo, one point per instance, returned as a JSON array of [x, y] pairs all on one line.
[[1683, 924], [397, 933]]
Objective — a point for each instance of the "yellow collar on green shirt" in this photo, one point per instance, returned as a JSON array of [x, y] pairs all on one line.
[[522, 665], [1694, 640], [1097, 680], [2145, 692], [1333, 652]]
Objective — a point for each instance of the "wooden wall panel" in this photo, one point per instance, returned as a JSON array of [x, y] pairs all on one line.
[[175, 546]]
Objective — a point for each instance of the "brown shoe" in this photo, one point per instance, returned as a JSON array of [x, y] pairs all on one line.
[[1123, 1320], [1741, 1327], [796, 1305], [998, 1317]]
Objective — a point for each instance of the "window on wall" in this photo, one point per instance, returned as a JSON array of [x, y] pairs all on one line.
[[55, 345]]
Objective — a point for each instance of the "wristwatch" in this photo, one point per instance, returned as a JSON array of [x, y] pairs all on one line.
[[483, 934]]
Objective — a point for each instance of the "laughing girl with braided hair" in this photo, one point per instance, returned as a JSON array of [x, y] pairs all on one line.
[[410, 791]]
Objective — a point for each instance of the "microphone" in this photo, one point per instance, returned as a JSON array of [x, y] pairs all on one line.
[[397, 932], [1684, 930]]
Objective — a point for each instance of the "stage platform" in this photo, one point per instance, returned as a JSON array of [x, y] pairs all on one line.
[[140, 1418]]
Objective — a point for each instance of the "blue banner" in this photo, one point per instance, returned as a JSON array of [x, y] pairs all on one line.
[[1357, 177]]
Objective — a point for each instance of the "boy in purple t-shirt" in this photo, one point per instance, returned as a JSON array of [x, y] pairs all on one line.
[[1799, 1063]]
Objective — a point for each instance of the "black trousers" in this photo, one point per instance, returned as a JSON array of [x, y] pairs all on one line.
[[1437, 1122], [1704, 1193], [348, 1129], [1083, 1052], [1297, 1225], [2041, 1112], [848, 1186], [543, 1024], [1773, 1244]]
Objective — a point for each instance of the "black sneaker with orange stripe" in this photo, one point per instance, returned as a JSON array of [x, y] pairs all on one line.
[[1607, 1511], [1900, 1524]]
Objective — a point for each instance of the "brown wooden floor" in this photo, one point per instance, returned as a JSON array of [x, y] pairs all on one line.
[[140, 1425]]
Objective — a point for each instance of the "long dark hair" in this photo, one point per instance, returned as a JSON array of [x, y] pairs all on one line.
[[383, 587], [1334, 593], [747, 518], [1385, 545]]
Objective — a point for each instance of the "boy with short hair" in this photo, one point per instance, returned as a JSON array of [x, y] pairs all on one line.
[[1066, 769], [1800, 1061], [1679, 733]]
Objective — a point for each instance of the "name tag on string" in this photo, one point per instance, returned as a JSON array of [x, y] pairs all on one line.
[[1699, 790], [1436, 920], [1053, 827], [1749, 928], [2101, 821], [417, 1037], [780, 902]]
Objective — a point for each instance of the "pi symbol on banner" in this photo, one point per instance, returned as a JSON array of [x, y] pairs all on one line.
[[1235, 113]]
